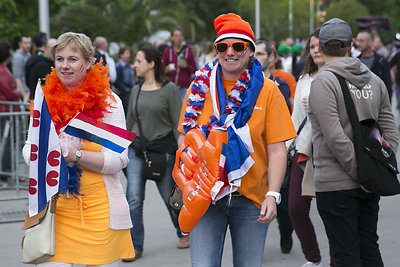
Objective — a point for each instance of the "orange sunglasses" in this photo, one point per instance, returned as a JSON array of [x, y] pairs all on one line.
[[238, 47]]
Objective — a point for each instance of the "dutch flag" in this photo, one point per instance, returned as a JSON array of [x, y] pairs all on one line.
[[106, 135]]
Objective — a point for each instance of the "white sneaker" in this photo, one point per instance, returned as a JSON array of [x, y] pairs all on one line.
[[312, 264]]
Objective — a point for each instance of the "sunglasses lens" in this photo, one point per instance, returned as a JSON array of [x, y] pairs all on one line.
[[221, 47], [238, 47]]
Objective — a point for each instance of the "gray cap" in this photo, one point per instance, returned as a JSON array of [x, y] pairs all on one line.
[[335, 29]]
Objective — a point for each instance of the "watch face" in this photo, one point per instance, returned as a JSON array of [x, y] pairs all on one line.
[[78, 153]]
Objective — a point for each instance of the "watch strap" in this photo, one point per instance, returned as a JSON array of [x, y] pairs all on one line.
[[78, 155], [276, 195]]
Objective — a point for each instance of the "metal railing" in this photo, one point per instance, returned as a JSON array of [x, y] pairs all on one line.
[[13, 170]]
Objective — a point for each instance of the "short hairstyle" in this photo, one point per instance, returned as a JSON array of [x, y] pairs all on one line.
[[335, 48], [177, 28], [19, 38], [122, 50], [78, 41], [310, 66], [40, 39], [268, 46], [152, 54], [370, 35], [99, 41], [4, 51]]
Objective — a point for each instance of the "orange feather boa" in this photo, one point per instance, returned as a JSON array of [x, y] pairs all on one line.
[[92, 98]]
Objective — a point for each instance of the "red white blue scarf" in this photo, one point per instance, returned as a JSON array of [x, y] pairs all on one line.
[[232, 111]]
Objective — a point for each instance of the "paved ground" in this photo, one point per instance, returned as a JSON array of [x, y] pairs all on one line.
[[160, 239]]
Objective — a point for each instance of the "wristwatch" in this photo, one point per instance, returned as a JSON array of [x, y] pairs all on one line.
[[276, 195], [78, 155]]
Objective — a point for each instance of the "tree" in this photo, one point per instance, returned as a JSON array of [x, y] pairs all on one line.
[[388, 9], [15, 21], [8, 8], [347, 10], [274, 15], [22, 17]]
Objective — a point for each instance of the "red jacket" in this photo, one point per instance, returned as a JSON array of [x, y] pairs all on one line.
[[8, 88], [180, 76]]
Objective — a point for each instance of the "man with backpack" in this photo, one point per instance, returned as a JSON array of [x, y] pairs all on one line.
[[348, 211]]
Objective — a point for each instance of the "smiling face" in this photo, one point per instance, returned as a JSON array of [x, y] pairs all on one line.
[[232, 63], [71, 67], [315, 52]]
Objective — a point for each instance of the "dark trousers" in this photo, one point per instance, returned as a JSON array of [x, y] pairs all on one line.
[[285, 226], [350, 218], [299, 211], [6, 153]]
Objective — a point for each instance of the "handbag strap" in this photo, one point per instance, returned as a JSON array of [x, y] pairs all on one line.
[[302, 125], [139, 122], [138, 118], [293, 144], [351, 110]]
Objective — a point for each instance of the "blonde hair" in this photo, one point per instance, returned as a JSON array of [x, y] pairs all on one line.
[[78, 41]]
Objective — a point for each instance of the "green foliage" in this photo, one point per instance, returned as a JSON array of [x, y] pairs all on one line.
[[131, 21], [389, 9], [274, 24], [347, 10], [15, 20]]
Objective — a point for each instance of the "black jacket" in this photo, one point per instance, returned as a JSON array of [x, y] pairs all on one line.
[[381, 68], [37, 67]]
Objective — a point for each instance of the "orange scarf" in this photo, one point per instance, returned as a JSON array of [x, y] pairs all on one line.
[[92, 98]]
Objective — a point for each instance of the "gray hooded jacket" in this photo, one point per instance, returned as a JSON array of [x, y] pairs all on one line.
[[332, 135]]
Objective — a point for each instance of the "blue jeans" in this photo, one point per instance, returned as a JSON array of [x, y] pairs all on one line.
[[350, 218], [135, 196], [248, 235]]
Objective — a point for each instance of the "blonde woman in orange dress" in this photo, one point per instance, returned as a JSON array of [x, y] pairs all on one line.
[[92, 227]]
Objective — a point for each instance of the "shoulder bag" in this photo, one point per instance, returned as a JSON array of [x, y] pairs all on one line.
[[38, 242], [290, 154], [376, 161]]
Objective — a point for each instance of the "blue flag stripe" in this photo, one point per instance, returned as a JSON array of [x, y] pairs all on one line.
[[63, 174], [93, 138], [45, 122]]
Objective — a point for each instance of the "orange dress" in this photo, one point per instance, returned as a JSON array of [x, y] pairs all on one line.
[[83, 235]]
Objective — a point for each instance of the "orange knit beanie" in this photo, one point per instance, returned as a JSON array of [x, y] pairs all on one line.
[[233, 26]]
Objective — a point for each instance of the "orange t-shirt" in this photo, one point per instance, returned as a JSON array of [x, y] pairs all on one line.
[[269, 123], [288, 78]]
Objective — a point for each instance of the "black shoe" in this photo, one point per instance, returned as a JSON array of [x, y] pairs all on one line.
[[286, 245], [137, 256]]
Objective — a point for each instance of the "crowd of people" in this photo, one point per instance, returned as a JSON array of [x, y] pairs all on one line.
[[268, 96]]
